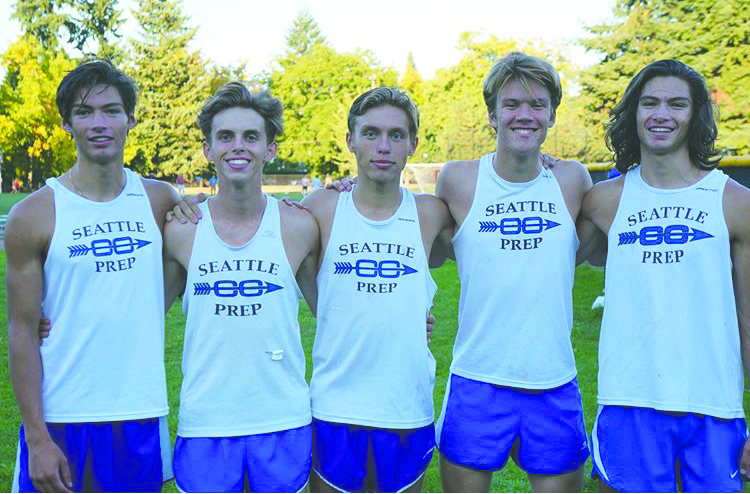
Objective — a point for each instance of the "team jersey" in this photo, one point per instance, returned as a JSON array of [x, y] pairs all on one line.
[[243, 364], [104, 292], [516, 259], [670, 337], [371, 363]]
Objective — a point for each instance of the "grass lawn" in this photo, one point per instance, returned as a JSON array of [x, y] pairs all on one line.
[[588, 284]]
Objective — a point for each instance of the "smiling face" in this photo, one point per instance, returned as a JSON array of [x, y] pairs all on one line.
[[522, 117], [238, 143], [99, 125], [381, 143], [663, 116]]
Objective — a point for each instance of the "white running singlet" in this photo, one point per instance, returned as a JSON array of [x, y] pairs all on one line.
[[516, 259], [243, 364], [104, 293], [371, 363], [670, 337]]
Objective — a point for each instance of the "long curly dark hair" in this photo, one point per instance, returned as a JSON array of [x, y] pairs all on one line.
[[622, 133]]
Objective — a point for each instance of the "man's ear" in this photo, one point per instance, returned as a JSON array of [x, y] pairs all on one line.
[[271, 151], [492, 119], [349, 142]]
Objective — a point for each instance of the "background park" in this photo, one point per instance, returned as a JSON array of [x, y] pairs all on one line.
[[317, 82]]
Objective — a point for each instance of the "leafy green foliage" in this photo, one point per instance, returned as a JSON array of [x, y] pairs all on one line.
[[712, 37], [317, 91], [174, 83], [84, 22], [31, 138]]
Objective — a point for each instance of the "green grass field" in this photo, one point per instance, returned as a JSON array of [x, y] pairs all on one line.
[[588, 284]]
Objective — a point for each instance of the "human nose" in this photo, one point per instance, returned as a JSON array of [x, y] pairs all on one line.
[[99, 120], [524, 112], [384, 144], [661, 112]]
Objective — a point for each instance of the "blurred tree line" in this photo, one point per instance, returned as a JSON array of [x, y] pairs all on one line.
[[317, 84]]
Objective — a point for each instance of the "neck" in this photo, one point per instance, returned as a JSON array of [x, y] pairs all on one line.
[[240, 201], [669, 171], [96, 182], [376, 200], [515, 167]]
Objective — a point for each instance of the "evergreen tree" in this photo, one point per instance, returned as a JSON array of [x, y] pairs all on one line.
[[412, 82], [174, 83], [79, 23], [303, 35], [712, 37]]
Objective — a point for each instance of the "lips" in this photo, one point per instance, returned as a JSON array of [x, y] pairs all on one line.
[[237, 163], [383, 163]]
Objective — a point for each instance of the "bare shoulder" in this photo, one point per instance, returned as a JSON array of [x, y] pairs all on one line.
[[31, 221], [176, 231], [322, 202], [604, 195], [430, 204], [736, 203], [572, 173], [162, 195], [458, 171], [297, 221]]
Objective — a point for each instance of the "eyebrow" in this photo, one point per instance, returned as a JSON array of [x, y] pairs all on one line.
[[378, 129], [671, 100]]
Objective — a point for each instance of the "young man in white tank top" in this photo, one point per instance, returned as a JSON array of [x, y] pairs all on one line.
[[372, 378], [676, 324], [514, 238], [244, 397], [87, 249]]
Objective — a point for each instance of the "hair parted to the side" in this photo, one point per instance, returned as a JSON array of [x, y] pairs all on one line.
[[382, 96], [525, 69], [90, 73], [622, 130], [236, 95]]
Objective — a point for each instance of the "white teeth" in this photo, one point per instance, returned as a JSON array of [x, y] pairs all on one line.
[[97, 139], [660, 129], [523, 131], [237, 161]]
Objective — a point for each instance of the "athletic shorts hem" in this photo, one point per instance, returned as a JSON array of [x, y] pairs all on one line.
[[321, 477], [466, 465]]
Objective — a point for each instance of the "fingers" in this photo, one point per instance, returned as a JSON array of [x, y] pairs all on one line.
[[66, 477], [290, 202]]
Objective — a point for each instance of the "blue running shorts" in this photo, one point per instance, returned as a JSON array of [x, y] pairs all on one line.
[[272, 462], [647, 450], [343, 455], [482, 424], [128, 456]]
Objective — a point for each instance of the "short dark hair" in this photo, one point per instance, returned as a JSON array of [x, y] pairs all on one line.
[[236, 95], [90, 73], [381, 96], [622, 131]]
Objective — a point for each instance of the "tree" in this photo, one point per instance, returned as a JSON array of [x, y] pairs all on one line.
[[174, 83], [303, 35], [31, 137], [317, 91], [84, 21], [712, 37], [412, 82]]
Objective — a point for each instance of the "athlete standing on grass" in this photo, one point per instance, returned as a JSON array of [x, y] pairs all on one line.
[[373, 373], [513, 389], [87, 249], [676, 325], [244, 404]]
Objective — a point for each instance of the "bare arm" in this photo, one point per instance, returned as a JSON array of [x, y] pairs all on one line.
[[163, 198], [27, 236], [301, 237], [597, 213], [737, 212], [437, 226]]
